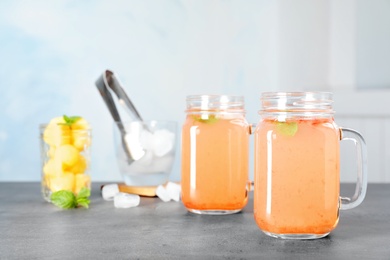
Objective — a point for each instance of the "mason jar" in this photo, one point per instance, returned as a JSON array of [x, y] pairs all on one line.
[[215, 139], [297, 166]]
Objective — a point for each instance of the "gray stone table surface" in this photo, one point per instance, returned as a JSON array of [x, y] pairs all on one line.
[[31, 228]]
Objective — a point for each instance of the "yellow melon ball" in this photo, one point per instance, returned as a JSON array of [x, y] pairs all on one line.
[[81, 180], [57, 133], [81, 123], [51, 152], [64, 181], [53, 168], [81, 137], [67, 154], [80, 166]]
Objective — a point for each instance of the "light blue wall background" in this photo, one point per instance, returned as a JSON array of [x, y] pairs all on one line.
[[51, 53]]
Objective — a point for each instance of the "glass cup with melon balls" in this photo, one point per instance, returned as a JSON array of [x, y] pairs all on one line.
[[65, 151]]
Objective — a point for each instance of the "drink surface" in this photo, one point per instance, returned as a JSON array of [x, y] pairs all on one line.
[[297, 176], [214, 162]]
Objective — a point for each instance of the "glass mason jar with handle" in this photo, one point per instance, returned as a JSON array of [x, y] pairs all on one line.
[[215, 139], [297, 166]]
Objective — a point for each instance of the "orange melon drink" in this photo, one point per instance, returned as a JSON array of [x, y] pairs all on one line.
[[297, 165], [215, 139], [297, 176]]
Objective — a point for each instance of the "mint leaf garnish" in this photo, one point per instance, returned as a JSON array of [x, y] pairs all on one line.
[[83, 202], [67, 200], [287, 128], [84, 193], [82, 197], [211, 119], [70, 120], [64, 199]]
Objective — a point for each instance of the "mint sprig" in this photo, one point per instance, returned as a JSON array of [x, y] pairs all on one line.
[[211, 119], [67, 200], [64, 199], [70, 120], [287, 128], [84, 193], [83, 202], [82, 197]]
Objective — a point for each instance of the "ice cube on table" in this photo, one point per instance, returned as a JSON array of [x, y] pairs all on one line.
[[173, 190], [163, 141], [162, 193], [109, 191], [125, 200], [170, 191]]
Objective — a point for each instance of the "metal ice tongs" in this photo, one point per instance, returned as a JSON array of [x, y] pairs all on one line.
[[106, 82]]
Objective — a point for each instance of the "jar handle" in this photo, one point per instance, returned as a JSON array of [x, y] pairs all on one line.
[[347, 134]]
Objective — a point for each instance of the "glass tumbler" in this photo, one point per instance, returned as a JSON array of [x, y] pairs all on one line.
[[65, 157], [215, 139], [145, 151], [297, 164]]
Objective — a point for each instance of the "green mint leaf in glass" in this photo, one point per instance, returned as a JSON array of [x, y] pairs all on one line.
[[64, 199], [83, 202], [70, 120], [84, 193], [287, 128], [211, 119]]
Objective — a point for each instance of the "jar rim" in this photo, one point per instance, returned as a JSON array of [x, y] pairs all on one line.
[[296, 94], [222, 98], [296, 104], [215, 102]]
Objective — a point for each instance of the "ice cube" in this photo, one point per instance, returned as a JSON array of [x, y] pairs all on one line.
[[161, 164], [162, 193], [134, 145], [125, 200], [173, 190], [146, 139], [163, 142], [145, 160], [109, 191]]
